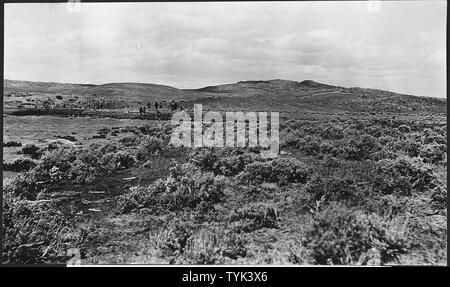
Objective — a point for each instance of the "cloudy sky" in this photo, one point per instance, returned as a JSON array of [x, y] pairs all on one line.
[[397, 46]]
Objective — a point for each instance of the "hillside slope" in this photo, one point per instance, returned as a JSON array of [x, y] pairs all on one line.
[[311, 96], [281, 95], [129, 92]]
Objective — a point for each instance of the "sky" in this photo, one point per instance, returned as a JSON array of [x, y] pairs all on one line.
[[395, 46]]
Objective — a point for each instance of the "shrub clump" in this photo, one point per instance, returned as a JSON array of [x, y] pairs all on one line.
[[204, 158], [404, 129], [149, 145], [254, 216], [82, 165], [340, 235], [214, 247], [174, 240], [120, 159], [360, 147], [280, 170], [19, 165], [23, 186], [226, 161], [12, 144], [322, 191], [439, 198], [403, 176], [182, 244], [185, 187], [138, 197], [433, 153], [310, 145], [331, 161], [130, 140], [34, 233], [32, 150], [232, 165], [99, 136], [384, 154]]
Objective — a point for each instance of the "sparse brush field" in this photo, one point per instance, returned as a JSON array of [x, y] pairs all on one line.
[[346, 189]]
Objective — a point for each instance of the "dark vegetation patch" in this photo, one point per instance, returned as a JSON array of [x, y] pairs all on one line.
[[33, 150], [19, 165], [12, 144]]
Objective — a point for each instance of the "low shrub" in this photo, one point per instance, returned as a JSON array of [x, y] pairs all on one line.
[[213, 247], [439, 198], [188, 187], [404, 129], [430, 136], [138, 197], [227, 159], [291, 139], [103, 131], [174, 240], [384, 154], [23, 186], [185, 187], [122, 160], [360, 147], [322, 191], [433, 153], [54, 146], [409, 146], [331, 161], [280, 170], [331, 131], [403, 176], [340, 235], [19, 165], [82, 165], [388, 206], [35, 233], [181, 243], [32, 150], [204, 158], [99, 136], [232, 165], [254, 216], [149, 145], [12, 144], [130, 140], [310, 145], [55, 165]]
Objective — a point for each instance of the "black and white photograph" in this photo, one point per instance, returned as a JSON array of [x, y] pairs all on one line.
[[258, 133]]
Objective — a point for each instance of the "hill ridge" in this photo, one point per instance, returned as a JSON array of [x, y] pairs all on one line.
[[283, 95]]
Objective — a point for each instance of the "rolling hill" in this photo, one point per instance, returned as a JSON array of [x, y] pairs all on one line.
[[281, 95]]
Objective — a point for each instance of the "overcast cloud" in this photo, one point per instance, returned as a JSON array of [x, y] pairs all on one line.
[[401, 47]]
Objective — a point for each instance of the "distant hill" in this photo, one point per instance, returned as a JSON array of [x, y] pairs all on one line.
[[280, 95], [129, 92], [309, 95]]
